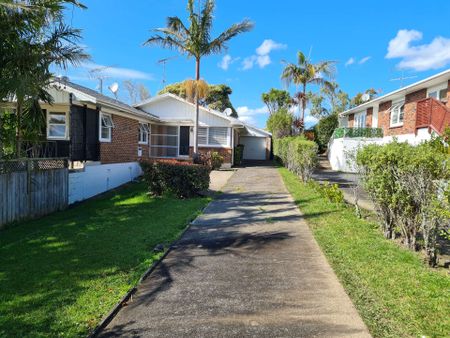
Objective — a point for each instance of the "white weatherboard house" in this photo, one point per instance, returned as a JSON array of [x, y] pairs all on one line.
[[173, 136], [411, 114]]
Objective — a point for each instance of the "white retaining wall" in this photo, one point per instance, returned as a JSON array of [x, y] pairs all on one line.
[[96, 179], [342, 151]]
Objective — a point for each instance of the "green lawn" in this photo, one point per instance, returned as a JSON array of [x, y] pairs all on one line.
[[61, 274], [396, 294]]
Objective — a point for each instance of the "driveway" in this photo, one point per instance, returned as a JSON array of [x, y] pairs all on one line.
[[248, 267]]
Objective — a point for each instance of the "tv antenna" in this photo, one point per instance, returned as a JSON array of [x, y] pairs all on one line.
[[114, 88], [98, 74], [402, 78], [163, 62]]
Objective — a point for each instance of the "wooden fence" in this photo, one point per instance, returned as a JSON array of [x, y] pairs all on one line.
[[31, 188]]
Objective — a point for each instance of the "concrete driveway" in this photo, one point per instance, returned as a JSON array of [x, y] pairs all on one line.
[[248, 267]]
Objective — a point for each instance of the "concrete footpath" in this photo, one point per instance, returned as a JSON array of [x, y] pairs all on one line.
[[248, 267]]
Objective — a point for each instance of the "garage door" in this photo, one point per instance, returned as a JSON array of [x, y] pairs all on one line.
[[254, 147]]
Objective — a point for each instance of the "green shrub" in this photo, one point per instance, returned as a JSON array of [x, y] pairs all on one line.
[[328, 190], [297, 154], [181, 179], [407, 184], [238, 154], [216, 160], [324, 129]]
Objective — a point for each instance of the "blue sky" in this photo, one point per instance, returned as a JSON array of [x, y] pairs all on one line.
[[372, 43]]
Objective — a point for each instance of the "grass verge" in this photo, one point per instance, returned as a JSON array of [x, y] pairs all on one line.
[[396, 294], [61, 274]]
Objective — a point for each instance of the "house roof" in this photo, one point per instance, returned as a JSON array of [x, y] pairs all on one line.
[[235, 122], [85, 94], [400, 93]]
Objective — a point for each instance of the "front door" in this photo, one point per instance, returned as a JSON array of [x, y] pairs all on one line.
[[184, 141]]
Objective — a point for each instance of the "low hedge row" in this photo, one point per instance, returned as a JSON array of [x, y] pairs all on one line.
[[182, 179], [298, 154], [410, 187]]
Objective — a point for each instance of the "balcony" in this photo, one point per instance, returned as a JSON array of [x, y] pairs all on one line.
[[432, 114], [357, 132]]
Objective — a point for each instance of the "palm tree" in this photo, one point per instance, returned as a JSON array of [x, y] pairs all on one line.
[[303, 73], [35, 40], [195, 41]]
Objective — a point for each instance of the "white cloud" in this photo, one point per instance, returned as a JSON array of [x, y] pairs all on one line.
[[227, 60], [350, 62], [269, 45], [119, 73], [434, 55], [364, 60], [262, 56], [249, 115]]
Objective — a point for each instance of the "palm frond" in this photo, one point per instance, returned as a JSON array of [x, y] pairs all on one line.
[[166, 42], [219, 43], [175, 24], [206, 20]]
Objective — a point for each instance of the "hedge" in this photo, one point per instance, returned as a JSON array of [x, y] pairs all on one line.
[[297, 154], [182, 179], [409, 186]]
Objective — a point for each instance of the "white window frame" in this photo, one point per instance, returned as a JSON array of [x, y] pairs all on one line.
[[360, 120], [396, 109], [177, 147], [100, 126], [215, 145], [438, 89], [66, 132], [144, 130]]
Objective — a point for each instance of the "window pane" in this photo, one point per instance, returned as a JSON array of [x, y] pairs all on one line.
[[57, 130], [164, 140], [442, 94], [433, 94], [218, 136], [401, 113], [106, 133], [202, 136], [167, 130], [163, 152], [107, 121], [57, 118]]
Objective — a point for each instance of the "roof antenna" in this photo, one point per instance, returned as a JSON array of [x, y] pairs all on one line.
[[310, 52], [402, 78], [163, 63], [97, 74]]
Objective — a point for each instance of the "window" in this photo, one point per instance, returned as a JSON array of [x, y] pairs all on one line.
[[163, 141], [57, 125], [143, 133], [397, 113], [438, 92], [213, 136], [106, 125], [360, 120], [203, 136]]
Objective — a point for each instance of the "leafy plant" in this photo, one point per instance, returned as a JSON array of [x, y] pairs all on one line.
[[324, 129], [407, 184], [238, 154], [280, 122], [216, 160], [181, 179], [297, 154]]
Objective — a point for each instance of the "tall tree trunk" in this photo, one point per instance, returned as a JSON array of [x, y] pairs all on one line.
[[302, 128], [19, 127], [197, 78]]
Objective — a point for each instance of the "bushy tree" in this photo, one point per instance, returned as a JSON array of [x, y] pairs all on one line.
[[280, 123], [324, 129], [276, 99]]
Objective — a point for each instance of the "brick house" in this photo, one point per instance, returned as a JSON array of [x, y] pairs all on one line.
[[411, 114], [104, 138]]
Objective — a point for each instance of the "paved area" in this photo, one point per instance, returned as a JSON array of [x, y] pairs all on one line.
[[347, 183], [219, 178], [248, 267]]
